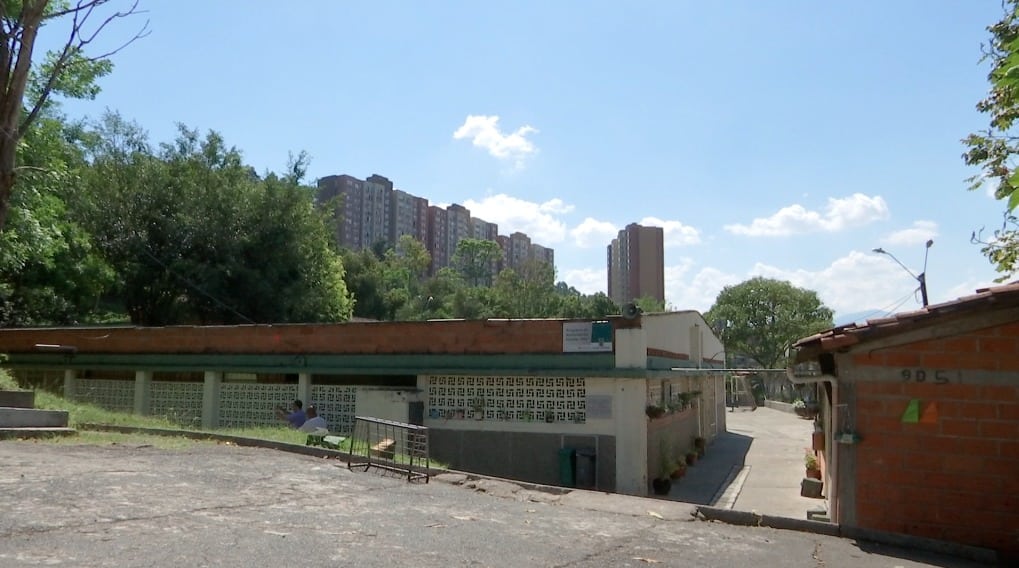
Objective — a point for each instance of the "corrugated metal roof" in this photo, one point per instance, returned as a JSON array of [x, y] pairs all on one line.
[[836, 338]]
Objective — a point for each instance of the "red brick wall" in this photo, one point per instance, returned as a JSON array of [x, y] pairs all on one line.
[[953, 476], [475, 336]]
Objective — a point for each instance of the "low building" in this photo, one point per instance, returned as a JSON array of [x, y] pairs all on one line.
[[500, 397], [921, 418]]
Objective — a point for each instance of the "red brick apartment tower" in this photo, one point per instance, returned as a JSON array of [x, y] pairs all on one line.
[[636, 264]]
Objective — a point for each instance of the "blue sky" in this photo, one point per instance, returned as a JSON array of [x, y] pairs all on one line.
[[785, 139]]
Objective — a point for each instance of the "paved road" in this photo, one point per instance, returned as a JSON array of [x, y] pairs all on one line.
[[774, 462], [220, 505], [761, 460]]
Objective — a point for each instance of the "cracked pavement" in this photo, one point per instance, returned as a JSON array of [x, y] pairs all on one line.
[[223, 505]]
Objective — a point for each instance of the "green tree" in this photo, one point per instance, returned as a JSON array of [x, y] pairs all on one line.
[[195, 237], [761, 318], [27, 82], [993, 150], [50, 272], [649, 305], [364, 279], [475, 258], [527, 293]]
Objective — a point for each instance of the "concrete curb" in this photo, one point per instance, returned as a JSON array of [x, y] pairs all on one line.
[[783, 406], [752, 519], [35, 433], [313, 451]]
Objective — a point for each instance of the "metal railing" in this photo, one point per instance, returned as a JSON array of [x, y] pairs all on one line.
[[389, 445]]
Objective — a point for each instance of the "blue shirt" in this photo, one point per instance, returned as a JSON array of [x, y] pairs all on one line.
[[296, 418]]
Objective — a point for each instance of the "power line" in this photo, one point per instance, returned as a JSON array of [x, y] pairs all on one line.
[[197, 287]]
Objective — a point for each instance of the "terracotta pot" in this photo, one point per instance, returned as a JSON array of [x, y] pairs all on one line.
[[661, 485], [814, 473]]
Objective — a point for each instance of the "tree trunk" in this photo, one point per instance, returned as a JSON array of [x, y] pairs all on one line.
[[19, 62], [6, 185]]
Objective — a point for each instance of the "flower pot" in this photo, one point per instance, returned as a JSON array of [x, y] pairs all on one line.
[[691, 459], [817, 441], [814, 473], [678, 473], [661, 485]]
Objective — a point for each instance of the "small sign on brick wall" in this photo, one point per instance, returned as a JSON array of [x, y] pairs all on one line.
[[587, 336]]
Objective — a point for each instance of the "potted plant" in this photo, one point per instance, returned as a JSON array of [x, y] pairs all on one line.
[[817, 438], [662, 484], [805, 410], [691, 458], [654, 411], [813, 468], [700, 444], [678, 470]]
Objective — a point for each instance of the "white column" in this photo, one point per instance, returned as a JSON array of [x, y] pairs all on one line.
[[631, 436], [304, 388], [142, 392], [631, 348], [210, 399], [69, 377]]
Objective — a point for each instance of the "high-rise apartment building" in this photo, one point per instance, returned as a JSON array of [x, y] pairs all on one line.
[[408, 215], [438, 235], [343, 194], [636, 264], [371, 211]]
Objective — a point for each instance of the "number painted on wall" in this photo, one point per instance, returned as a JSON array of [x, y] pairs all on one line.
[[935, 376]]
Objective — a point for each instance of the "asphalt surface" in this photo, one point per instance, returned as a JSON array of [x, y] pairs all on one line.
[[223, 505]]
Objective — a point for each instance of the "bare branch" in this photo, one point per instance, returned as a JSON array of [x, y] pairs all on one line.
[[77, 8], [76, 43]]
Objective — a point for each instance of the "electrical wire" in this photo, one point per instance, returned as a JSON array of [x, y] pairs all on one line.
[[198, 288]]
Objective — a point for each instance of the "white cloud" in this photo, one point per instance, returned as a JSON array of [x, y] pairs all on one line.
[[676, 233], [586, 280], [537, 220], [697, 292], [853, 211], [483, 131], [592, 232], [915, 235], [857, 282]]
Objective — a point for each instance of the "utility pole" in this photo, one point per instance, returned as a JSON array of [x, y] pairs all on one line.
[[922, 277]]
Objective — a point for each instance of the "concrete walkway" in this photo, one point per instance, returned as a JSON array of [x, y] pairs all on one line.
[[756, 466]]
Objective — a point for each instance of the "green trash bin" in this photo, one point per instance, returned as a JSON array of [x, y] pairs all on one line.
[[567, 467]]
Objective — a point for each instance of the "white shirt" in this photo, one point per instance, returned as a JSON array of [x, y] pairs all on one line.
[[312, 424]]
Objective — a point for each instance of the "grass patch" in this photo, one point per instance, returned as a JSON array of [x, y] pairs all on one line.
[[7, 382], [97, 438], [85, 413]]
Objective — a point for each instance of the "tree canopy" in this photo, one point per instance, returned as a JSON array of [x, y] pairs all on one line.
[[994, 149], [761, 318], [27, 81]]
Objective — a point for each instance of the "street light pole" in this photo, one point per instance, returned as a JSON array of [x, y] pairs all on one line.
[[922, 277]]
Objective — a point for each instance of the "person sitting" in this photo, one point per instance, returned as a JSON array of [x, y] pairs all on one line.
[[295, 417], [314, 422]]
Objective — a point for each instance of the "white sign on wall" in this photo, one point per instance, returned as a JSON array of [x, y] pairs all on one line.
[[587, 336]]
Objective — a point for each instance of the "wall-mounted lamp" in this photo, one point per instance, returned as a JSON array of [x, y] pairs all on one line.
[[69, 349]]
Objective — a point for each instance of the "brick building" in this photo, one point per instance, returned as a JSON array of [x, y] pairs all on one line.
[[500, 397], [921, 414]]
